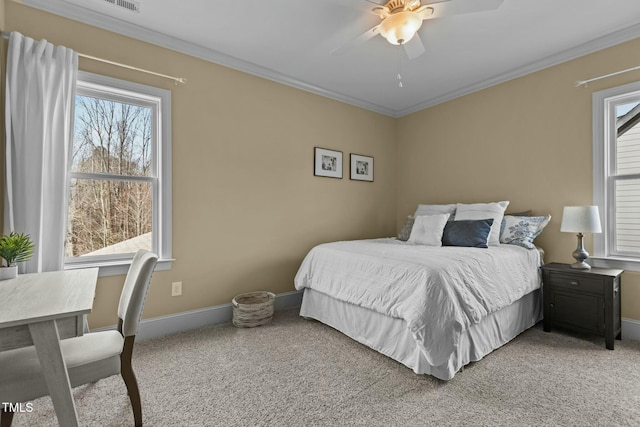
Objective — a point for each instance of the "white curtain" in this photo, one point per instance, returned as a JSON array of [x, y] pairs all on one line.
[[40, 92]]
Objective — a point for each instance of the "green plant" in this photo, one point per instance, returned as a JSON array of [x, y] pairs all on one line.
[[16, 247]]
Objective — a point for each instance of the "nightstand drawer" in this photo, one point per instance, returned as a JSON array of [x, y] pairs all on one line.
[[577, 282]]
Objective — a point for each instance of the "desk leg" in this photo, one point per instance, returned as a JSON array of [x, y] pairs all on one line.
[[47, 342]]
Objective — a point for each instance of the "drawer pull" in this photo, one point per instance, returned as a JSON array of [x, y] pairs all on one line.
[[551, 305], [574, 283]]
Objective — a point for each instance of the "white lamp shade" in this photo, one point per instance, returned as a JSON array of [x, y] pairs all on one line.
[[581, 219]]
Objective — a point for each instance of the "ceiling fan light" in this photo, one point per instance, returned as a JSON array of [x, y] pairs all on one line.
[[400, 27]]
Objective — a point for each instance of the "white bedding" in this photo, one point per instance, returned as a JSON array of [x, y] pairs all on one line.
[[438, 291]]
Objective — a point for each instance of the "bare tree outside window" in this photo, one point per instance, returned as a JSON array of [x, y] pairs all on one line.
[[110, 208]]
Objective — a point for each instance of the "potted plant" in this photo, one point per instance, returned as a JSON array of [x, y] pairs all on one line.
[[14, 248]]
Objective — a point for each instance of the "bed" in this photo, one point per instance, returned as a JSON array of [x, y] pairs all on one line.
[[432, 308]]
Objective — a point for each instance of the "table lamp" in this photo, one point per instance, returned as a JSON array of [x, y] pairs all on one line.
[[581, 219]]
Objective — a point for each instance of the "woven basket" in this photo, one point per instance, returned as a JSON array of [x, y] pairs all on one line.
[[253, 309]]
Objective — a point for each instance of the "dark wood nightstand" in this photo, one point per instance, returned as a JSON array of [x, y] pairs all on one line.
[[582, 300]]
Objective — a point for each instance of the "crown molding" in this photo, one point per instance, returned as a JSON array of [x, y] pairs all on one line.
[[76, 12], [609, 40]]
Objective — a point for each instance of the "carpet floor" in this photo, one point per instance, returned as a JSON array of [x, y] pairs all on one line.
[[296, 372]]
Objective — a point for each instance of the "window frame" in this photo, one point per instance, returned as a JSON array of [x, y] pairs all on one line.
[[160, 101], [604, 175]]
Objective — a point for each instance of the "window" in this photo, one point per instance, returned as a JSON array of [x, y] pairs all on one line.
[[616, 163], [120, 179]]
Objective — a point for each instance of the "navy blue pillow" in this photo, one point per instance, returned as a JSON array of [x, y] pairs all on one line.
[[472, 233]]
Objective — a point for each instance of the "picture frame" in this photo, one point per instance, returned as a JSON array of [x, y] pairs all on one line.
[[327, 163], [361, 167]]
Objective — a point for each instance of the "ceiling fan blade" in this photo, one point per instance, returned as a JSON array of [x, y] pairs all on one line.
[[381, 11], [425, 11], [414, 47], [430, 2], [370, 33], [376, 2], [459, 7]]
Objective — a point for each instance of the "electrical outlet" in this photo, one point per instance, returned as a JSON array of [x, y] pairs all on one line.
[[176, 289]]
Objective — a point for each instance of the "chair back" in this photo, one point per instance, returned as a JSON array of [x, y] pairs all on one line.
[[135, 290]]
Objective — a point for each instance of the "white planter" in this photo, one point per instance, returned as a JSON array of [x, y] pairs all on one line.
[[8, 272]]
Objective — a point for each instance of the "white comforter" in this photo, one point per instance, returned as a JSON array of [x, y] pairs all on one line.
[[438, 291]]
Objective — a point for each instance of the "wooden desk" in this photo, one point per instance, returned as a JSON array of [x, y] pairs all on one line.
[[41, 309]]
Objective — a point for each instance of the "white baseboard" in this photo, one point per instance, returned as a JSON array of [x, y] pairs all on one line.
[[630, 329], [178, 322]]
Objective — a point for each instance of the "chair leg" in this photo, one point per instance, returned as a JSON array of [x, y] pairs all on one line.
[[6, 418], [129, 378]]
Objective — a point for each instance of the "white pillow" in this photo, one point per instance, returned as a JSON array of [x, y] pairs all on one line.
[[427, 230], [435, 210], [484, 211]]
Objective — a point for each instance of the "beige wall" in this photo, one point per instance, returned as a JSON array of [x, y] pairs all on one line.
[[246, 206], [527, 140]]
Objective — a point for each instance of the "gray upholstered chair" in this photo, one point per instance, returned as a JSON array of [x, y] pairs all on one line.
[[90, 357]]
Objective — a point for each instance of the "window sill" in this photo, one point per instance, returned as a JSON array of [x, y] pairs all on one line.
[[631, 264], [115, 268]]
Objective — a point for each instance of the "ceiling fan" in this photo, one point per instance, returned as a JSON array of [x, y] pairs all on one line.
[[401, 20]]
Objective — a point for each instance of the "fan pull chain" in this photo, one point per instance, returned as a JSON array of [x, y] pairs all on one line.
[[399, 76]]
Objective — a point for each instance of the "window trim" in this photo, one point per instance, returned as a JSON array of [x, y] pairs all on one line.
[[111, 265], [603, 187]]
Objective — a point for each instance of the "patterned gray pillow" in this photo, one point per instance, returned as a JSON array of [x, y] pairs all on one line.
[[406, 229], [522, 230]]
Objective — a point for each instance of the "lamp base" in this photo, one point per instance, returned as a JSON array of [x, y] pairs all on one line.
[[581, 255], [581, 266]]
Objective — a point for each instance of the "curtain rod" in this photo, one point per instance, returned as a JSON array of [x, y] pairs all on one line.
[[117, 64], [585, 82]]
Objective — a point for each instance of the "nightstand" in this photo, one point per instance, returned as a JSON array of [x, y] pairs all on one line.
[[585, 301]]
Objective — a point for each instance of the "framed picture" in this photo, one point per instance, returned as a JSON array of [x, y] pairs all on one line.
[[327, 163], [361, 167]]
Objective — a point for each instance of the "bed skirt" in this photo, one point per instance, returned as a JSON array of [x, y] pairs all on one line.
[[391, 336]]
